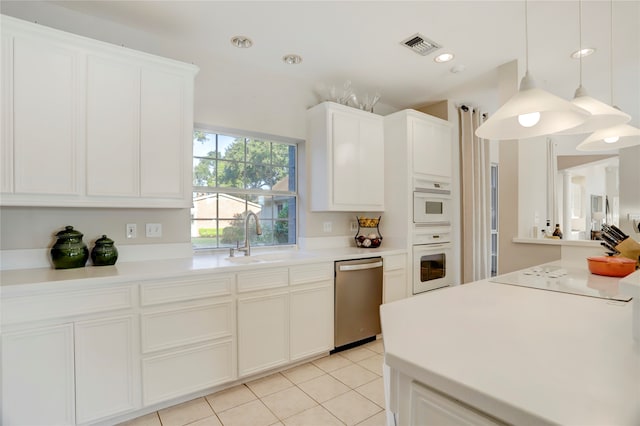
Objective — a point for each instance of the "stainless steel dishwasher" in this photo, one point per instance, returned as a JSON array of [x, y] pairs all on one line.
[[358, 296]]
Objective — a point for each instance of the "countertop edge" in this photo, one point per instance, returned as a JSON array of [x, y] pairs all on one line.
[[18, 281]]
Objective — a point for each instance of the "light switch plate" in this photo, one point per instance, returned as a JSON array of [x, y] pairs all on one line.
[[131, 231], [154, 230]]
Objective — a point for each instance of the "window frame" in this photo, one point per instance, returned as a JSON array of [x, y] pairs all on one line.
[[242, 192]]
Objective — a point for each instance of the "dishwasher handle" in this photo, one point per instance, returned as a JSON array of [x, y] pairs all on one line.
[[360, 267]]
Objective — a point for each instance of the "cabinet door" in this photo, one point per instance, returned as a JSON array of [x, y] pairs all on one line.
[[6, 114], [395, 285], [37, 377], [358, 162], [45, 118], [179, 373], [432, 155], [113, 105], [433, 408], [162, 134], [311, 320], [263, 332], [107, 379]]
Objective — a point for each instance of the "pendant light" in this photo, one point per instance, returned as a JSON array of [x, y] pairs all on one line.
[[616, 137], [531, 112], [602, 115]]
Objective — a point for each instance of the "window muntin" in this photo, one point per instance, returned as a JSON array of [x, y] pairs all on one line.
[[235, 174]]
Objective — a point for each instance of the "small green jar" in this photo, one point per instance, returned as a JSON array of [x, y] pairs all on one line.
[[104, 252], [69, 251]]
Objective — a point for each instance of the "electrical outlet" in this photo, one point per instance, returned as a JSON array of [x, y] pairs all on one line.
[[327, 226], [353, 226], [154, 230], [131, 231]]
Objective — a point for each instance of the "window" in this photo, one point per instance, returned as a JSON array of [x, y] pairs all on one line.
[[494, 219], [234, 174]]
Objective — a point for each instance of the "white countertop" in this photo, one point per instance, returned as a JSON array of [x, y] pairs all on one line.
[[44, 278], [523, 355]]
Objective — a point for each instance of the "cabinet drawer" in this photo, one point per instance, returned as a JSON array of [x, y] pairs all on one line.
[[396, 261], [178, 289], [192, 324], [180, 373], [311, 273], [65, 304], [263, 279]]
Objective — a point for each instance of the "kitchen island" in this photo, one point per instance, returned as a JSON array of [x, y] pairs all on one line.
[[488, 353]]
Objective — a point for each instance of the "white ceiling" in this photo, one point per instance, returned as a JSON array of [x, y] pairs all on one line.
[[360, 41]]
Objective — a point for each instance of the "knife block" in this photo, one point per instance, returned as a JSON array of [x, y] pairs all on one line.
[[630, 249]]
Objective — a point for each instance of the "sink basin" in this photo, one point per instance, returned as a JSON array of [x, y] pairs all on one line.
[[263, 257], [243, 259], [274, 257]]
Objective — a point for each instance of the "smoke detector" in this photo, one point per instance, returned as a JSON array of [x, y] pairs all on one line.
[[420, 44]]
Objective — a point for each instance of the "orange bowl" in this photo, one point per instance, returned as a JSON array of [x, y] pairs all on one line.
[[611, 266]]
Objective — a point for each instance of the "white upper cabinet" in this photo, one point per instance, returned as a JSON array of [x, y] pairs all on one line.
[[45, 111], [345, 151], [162, 133], [113, 96], [87, 123], [431, 139]]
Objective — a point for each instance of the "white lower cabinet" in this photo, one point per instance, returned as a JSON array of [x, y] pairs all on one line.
[[429, 407], [187, 336], [311, 310], [177, 373], [38, 376], [311, 329], [263, 331], [395, 278], [107, 376], [290, 318], [93, 353]]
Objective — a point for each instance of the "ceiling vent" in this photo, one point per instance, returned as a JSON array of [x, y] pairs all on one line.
[[421, 45]]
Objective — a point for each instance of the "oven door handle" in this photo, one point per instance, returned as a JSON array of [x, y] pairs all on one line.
[[360, 267], [429, 247]]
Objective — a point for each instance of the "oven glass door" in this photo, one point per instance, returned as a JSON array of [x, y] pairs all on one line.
[[430, 267], [433, 267]]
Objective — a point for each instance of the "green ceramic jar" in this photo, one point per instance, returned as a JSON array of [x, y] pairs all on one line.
[[104, 252], [69, 251]]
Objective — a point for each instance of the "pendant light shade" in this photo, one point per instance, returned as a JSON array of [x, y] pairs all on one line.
[[602, 115], [615, 137], [531, 112], [622, 136]]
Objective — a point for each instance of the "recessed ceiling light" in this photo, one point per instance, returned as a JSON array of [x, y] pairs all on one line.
[[241, 42], [444, 57], [292, 59], [583, 52]]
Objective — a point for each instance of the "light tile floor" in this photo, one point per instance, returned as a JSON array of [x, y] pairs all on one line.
[[345, 388]]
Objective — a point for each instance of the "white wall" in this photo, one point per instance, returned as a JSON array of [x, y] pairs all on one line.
[[532, 187], [629, 187]]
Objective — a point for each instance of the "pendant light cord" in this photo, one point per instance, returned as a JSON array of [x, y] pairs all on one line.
[[611, 52], [526, 35], [580, 27]]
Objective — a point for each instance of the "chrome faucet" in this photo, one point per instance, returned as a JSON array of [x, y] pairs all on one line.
[[247, 246]]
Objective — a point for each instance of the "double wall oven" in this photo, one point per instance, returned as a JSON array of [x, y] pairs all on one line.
[[432, 249]]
